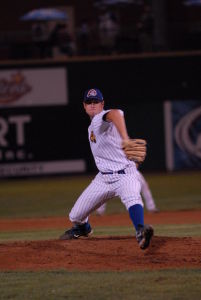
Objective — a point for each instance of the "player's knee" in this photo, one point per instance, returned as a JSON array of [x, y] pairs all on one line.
[[130, 202], [73, 217], [76, 217]]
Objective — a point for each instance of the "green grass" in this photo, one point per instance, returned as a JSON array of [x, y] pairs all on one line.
[[55, 196], [175, 191], [184, 230], [159, 285], [40, 197]]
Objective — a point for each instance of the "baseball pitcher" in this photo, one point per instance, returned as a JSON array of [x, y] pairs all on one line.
[[115, 155]]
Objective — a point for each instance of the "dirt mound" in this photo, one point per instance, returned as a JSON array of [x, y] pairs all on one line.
[[101, 253]]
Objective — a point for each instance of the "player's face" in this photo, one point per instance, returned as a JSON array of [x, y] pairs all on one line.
[[93, 107]]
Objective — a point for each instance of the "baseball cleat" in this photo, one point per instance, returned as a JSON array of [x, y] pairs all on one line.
[[144, 235], [77, 231]]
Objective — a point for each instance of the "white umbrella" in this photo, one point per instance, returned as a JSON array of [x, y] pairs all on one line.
[[192, 2], [114, 2], [45, 14]]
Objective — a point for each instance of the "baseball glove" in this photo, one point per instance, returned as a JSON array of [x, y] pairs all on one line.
[[135, 149]]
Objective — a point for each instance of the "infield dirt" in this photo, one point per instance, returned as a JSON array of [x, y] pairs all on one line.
[[101, 253]]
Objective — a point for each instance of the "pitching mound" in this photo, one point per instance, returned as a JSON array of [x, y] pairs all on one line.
[[101, 253]]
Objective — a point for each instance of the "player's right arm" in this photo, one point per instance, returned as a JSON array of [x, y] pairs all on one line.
[[117, 118]]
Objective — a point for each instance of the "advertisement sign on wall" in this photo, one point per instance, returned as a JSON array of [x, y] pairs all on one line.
[[34, 143], [183, 134], [34, 116]]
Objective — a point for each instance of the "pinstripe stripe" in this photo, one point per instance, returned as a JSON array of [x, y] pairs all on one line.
[[92, 197]]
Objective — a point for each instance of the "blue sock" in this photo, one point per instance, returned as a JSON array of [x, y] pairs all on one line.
[[136, 214]]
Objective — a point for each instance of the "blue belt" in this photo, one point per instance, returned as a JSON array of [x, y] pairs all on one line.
[[115, 172]]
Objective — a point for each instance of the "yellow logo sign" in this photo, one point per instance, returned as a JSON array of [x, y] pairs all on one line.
[[14, 88], [93, 137]]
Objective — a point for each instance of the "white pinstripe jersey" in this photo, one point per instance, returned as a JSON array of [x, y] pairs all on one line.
[[105, 142]]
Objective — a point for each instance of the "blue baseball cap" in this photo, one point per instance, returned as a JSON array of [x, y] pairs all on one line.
[[93, 94]]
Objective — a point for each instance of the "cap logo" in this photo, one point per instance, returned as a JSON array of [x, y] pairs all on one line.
[[92, 93]]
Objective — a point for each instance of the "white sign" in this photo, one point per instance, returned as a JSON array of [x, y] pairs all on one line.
[[33, 87], [42, 168]]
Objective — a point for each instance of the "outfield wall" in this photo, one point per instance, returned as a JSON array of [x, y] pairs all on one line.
[[43, 128]]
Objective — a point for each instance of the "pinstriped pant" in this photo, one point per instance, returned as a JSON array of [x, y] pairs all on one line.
[[102, 188]]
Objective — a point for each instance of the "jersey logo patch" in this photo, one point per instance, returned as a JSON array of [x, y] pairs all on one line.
[[93, 137]]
